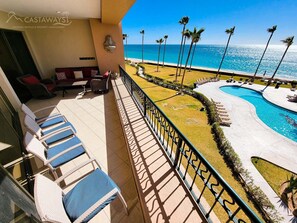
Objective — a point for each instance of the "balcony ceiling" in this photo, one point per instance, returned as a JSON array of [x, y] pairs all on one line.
[[76, 9], [109, 11]]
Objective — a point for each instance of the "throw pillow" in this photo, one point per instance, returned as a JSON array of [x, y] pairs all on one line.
[[30, 80], [94, 73], [61, 76], [78, 74]]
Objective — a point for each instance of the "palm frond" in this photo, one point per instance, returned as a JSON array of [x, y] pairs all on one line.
[[184, 20], [272, 29], [230, 31], [288, 41]]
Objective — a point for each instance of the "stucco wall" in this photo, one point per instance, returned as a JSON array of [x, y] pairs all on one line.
[[54, 46], [62, 47], [107, 60]]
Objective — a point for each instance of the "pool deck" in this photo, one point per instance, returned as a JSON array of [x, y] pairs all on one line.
[[249, 136]]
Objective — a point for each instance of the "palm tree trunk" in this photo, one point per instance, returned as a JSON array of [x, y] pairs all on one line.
[[223, 56], [142, 46], [126, 50], [192, 57], [180, 48], [182, 56], [182, 81], [158, 57], [262, 56], [164, 52], [280, 62]]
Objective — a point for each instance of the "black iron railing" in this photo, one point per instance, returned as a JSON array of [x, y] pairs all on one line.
[[201, 179]]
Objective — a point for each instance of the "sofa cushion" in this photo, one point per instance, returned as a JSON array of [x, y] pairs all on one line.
[[105, 75], [61, 75], [68, 72], [78, 74], [30, 80], [94, 73]]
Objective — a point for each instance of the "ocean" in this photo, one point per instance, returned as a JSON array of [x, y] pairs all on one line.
[[239, 58]]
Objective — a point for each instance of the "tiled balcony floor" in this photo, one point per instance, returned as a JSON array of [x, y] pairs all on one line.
[[151, 188]]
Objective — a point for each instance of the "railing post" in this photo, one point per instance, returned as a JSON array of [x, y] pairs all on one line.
[[144, 106], [131, 85], [177, 154]]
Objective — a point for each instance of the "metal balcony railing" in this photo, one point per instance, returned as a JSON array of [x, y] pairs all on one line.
[[200, 178]]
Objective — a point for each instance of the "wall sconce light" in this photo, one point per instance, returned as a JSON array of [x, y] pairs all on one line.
[[109, 44]]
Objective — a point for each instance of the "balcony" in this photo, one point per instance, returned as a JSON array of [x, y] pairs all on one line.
[[156, 168]]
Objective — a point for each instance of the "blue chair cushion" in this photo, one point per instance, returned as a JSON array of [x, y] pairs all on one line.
[[86, 193], [60, 136], [70, 155], [50, 122]]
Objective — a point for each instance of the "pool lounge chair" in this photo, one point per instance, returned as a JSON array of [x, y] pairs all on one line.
[[225, 122], [87, 198], [57, 155], [45, 121], [51, 135], [293, 98]]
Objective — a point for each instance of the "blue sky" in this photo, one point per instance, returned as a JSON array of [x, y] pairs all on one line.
[[251, 18]]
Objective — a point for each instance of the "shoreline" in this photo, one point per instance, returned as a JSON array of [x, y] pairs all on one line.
[[212, 70]]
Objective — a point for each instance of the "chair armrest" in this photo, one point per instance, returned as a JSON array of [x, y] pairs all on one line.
[[43, 138], [42, 120], [62, 153], [47, 81], [67, 174], [45, 108]]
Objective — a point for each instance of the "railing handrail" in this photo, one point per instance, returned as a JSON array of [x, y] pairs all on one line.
[[218, 177]]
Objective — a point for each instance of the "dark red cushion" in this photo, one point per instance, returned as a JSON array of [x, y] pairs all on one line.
[[105, 75], [30, 80], [50, 87]]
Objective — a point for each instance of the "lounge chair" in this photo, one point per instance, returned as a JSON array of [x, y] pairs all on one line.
[[225, 123], [45, 121], [57, 155], [223, 114], [293, 99], [40, 89], [51, 135], [87, 198]]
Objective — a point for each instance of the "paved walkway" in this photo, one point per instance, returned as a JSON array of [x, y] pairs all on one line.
[[251, 137]]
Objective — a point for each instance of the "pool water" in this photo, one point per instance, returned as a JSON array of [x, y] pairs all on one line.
[[277, 118]]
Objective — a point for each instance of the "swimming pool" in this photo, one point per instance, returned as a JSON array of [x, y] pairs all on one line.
[[277, 118]]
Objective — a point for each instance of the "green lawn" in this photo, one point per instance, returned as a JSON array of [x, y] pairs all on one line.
[[184, 112], [273, 174]]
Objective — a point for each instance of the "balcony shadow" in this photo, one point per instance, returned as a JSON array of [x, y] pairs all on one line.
[[163, 196]]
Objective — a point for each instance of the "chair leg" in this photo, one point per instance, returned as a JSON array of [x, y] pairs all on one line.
[[124, 203], [55, 174]]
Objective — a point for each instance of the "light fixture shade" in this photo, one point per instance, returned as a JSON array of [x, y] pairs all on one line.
[[109, 44]]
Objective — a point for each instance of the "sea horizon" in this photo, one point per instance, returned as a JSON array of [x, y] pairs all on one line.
[[240, 58]]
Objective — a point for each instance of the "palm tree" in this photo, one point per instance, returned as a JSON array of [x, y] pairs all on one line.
[[184, 21], [142, 32], [288, 42], [160, 41], [195, 37], [230, 32], [195, 43], [165, 38], [270, 30], [186, 35], [125, 37]]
